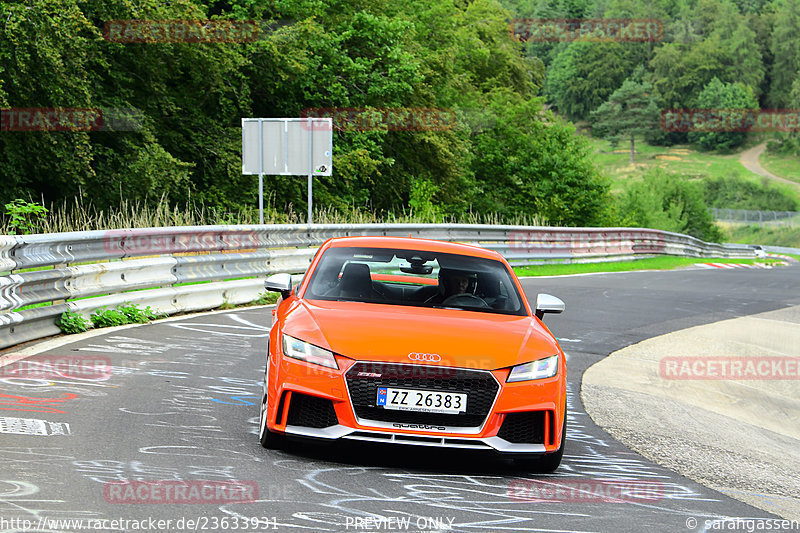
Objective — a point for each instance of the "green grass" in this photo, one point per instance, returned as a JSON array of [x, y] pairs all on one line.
[[79, 215], [679, 159], [784, 166], [33, 306], [768, 235], [655, 263]]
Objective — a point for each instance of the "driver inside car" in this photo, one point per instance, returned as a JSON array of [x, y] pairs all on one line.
[[454, 283]]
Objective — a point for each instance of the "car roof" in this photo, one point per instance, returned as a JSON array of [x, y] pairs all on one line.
[[413, 243]]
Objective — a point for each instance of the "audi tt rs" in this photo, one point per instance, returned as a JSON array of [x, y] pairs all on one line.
[[414, 342]]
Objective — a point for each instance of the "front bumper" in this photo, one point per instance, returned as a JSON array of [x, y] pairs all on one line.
[[480, 443], [514, 418]]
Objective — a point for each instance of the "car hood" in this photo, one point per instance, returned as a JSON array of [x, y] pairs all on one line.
[[390, 333]]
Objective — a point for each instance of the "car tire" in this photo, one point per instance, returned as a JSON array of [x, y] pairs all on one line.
[[269, 439], [549, 462]]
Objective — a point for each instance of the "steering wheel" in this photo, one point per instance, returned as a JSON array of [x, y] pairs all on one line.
[[465, 298]]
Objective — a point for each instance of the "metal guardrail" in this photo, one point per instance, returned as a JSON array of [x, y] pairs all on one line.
[[183, 269]]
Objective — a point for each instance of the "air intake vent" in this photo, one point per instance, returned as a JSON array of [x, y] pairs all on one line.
[[310, 411], [523, 428]]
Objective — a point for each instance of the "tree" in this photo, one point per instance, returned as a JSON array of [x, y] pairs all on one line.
[[786, 53], [723, 97], [788, 142], [728, 50], [411, 54], [189, 98], [533, 163], [631, 111], [45, 47], [583, 76]]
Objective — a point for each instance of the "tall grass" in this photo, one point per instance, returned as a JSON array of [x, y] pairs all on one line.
[[80, 215], [768, 235]]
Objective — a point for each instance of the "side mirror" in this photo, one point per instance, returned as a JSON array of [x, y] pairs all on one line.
[[281, 283], [546, 303]]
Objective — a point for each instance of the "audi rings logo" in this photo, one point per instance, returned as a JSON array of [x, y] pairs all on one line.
[[426, 357]]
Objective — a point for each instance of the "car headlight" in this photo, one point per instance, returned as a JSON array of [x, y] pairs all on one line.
[[297, 349], [539, 369]]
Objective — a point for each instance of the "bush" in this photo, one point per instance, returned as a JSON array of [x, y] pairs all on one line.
[[24, 216], [421, 200], [72, 322], [784, 144], [668, 202], [104, 318], [136, 315], [735, 192]]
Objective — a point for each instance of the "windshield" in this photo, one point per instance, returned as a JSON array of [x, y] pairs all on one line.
[[415, 278]]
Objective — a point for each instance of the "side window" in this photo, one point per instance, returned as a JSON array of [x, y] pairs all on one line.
[[327, 276], [305, 274]]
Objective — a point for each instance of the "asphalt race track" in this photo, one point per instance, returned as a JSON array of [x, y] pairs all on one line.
[[182, 404]]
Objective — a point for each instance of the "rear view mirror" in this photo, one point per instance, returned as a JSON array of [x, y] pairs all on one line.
[[547, 303], [281, 283], [422, 270]]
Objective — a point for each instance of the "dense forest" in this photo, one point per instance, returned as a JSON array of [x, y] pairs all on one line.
[[728, 54], [506, 151]]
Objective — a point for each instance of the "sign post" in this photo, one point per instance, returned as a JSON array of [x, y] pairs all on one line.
[[287, 147]]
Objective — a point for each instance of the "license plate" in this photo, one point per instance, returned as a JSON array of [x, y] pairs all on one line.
[[424, 401]]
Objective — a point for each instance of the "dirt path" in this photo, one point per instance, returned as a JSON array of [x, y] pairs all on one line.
[[749, 160]]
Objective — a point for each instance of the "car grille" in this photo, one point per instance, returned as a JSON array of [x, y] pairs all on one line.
[[310, 411], [479, 385], [523, 428]]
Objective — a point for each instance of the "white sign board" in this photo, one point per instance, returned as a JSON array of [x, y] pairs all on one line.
[[289, 146]]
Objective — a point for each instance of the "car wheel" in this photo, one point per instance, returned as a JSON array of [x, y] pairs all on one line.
[[549, 462], [269, 439]]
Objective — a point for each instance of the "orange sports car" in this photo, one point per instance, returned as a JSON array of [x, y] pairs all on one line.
[[416, 342]]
